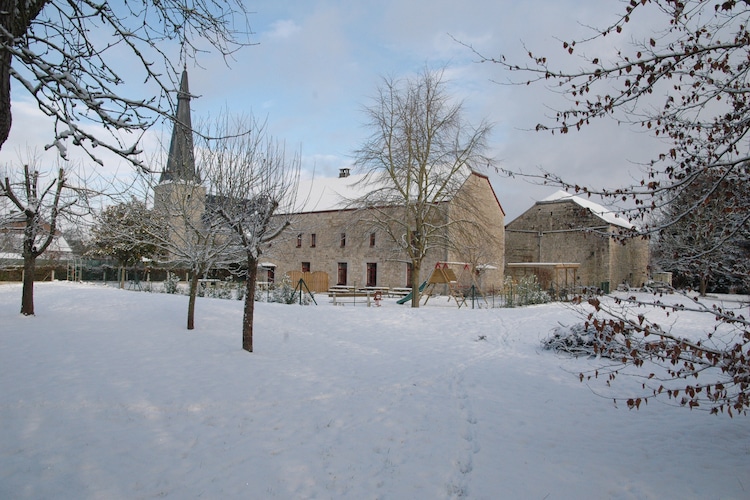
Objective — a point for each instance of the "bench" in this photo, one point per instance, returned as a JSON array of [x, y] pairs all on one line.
[[350, 297]]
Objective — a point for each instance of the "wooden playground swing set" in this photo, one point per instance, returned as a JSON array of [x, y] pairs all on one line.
[[457, 286]]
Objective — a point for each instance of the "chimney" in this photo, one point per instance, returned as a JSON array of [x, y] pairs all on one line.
[[343, 172]]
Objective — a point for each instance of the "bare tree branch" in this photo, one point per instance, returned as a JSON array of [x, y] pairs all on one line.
[[252, 187], [66, 54], [687, 84], [418, 156]]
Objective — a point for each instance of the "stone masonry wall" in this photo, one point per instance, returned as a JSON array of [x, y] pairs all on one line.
[[479, 231], [630, 262], [358, 250], [563, 231]]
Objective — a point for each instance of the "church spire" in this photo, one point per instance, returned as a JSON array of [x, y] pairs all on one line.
[[181, 159]]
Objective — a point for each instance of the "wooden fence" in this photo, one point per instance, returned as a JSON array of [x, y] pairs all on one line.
[[316, 281]]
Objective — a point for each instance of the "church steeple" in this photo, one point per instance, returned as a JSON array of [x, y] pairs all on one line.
[[181, 159]]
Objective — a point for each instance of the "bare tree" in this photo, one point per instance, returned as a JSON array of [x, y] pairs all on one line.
[[190, 235], [252, 188], [687, 83], [66, 54], [698, 241], [177, 234], [41, 201], [416, 159]]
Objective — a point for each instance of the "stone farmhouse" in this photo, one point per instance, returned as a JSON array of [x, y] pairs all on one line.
[[568, 241], [329, 239]]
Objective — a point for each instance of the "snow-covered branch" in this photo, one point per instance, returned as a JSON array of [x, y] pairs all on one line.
[[70, 57]]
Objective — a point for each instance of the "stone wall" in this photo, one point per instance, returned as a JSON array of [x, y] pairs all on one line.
[[362, 244], [630, 262], [180, 207], [479, 231]]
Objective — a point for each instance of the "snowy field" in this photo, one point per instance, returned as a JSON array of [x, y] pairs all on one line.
[[105, 395]]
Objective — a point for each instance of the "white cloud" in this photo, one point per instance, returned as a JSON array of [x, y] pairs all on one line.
[[284, 28], [319, 60]]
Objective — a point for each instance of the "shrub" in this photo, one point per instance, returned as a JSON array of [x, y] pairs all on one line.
[[582, 339], [170, 283], [526, 292], [285, 293]]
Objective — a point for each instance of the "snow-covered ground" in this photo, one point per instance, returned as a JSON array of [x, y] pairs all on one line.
[[106, 395]]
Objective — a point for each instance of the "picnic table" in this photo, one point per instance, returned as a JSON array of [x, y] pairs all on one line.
[[341, 295]]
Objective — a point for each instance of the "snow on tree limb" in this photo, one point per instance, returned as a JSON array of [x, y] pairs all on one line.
[[66, 55], [685, 83]]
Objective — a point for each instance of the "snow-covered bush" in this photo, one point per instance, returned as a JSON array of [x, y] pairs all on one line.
[[170, 283], [226, 291], [215, 290], [527, 291], [285, 293], [584, 339]]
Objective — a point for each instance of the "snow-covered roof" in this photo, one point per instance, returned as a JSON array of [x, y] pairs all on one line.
[[59, 246], [599, 210], [13, 225], [328, 193], [336, 193]]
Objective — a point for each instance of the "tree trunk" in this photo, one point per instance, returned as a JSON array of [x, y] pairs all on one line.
[[27, 295], [703, 286], [191, 300], [7, 7], [247, 319], [122, 277], [416, 296]]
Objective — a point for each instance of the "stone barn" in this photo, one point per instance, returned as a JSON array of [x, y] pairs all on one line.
[[569, 241]]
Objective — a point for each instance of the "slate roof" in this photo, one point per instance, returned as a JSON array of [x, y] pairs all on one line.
[[181, 159]]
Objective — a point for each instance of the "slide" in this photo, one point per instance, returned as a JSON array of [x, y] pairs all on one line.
[[408, 297]]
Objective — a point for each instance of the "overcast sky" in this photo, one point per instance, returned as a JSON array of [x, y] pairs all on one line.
[[317, 62]]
